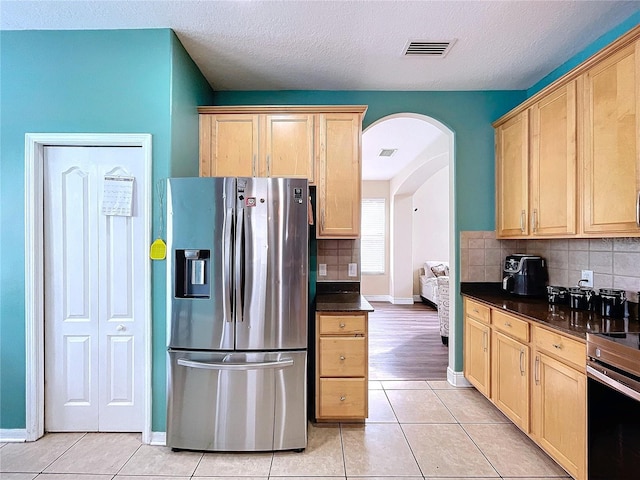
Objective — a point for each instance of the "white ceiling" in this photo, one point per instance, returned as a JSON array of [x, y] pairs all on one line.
[[353, 45], [412, 137], [350, 44]]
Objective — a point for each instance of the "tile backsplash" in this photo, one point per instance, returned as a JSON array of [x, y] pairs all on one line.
[[337, 255], [615, 261]]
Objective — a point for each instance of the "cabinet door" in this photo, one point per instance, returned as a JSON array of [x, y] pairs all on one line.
[[559, 413], [288, 147], [339, 176], [228, 145], [553, 163], [476, 354], [512, 179], [510, 378], [611, 180]]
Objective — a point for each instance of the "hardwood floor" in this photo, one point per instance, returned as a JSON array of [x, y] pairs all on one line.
[[405, 343]]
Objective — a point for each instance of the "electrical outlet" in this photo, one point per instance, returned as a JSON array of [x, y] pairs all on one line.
[[322, 269], [588, 276], [353, 269]]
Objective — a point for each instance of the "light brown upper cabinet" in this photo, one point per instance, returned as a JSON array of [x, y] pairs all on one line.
[[611, 193], [228, 145], [339, 179], [257, 145], [512, 182], [568, 158], [320, 143], [553, 163]]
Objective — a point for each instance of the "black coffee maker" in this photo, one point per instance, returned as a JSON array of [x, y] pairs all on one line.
[[525, 275]]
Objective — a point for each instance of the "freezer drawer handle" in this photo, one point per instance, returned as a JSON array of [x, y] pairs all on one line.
[[287, 362]]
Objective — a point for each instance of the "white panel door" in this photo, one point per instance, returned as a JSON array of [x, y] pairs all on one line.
[[94, 292]]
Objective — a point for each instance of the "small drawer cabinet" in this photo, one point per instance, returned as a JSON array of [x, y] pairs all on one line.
[[342, 366]]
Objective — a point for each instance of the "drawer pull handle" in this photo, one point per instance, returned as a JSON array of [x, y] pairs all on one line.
[[343, 398], [507, 324], [536, 370], [558, 346], [476, 310], [342, 325], [522, 372], [341, 357]]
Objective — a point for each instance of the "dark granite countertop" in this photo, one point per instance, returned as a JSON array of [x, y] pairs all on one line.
[[342, 302], [576, 323]]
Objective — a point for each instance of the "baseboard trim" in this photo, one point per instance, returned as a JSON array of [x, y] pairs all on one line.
[[457, 378], [403, 301], [158, 438], [379, 298], [417, 298], [13, 435]]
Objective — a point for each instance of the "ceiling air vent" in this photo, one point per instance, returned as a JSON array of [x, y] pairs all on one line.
[[420, 48], [387, 152]]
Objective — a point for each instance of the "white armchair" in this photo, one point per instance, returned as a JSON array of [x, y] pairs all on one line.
[[443, 308], [434, 289]]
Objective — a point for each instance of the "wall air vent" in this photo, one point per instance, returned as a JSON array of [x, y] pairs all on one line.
[[387, 152], [421, 48]]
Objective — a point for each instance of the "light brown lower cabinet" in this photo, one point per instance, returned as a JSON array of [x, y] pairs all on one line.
[[477, 345], [510, 378], [341, 366], [537, 379], [559, 401]]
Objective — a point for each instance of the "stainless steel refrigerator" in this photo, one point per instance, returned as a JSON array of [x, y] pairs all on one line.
[[237, 267]]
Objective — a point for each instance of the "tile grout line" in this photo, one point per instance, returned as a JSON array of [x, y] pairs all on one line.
[[344, 457], [84, 434], [128, 459]]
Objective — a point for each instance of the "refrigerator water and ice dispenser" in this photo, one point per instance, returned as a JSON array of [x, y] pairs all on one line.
[[191, 274]]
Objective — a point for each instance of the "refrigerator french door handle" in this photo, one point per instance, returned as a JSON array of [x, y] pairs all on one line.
[[286, 362], [239, 264], [226, 258]]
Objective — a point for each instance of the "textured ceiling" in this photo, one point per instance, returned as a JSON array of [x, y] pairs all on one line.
[[354, 45], [350, 45]]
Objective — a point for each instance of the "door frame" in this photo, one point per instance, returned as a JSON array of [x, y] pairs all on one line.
[[35, 144]]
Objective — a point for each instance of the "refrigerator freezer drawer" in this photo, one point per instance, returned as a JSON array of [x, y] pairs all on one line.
[[229, 401]]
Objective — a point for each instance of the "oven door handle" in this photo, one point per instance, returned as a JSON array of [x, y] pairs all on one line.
[[616, 385]]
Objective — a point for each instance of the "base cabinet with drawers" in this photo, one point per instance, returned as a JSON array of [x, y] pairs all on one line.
[[341, 366], [535, 375]]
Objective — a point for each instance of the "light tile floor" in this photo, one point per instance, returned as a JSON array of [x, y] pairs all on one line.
[[416, 430]]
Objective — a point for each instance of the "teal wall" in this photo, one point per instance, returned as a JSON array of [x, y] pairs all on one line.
[[576, 60], [467, 114], [132, 81]]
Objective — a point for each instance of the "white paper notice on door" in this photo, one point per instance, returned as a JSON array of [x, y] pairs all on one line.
[[117, 195]]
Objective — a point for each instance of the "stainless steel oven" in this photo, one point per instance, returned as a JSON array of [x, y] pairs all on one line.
[[613, 406]]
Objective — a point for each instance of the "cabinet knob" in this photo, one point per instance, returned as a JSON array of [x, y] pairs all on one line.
[[558, 346], [343, 398], [507, 324], [121, 328], [342, 325], [341, 357]]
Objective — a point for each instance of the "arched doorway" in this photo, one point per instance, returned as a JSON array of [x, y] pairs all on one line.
[[425, 149]]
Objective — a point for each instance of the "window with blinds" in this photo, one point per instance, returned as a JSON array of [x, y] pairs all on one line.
[[372, 236]]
